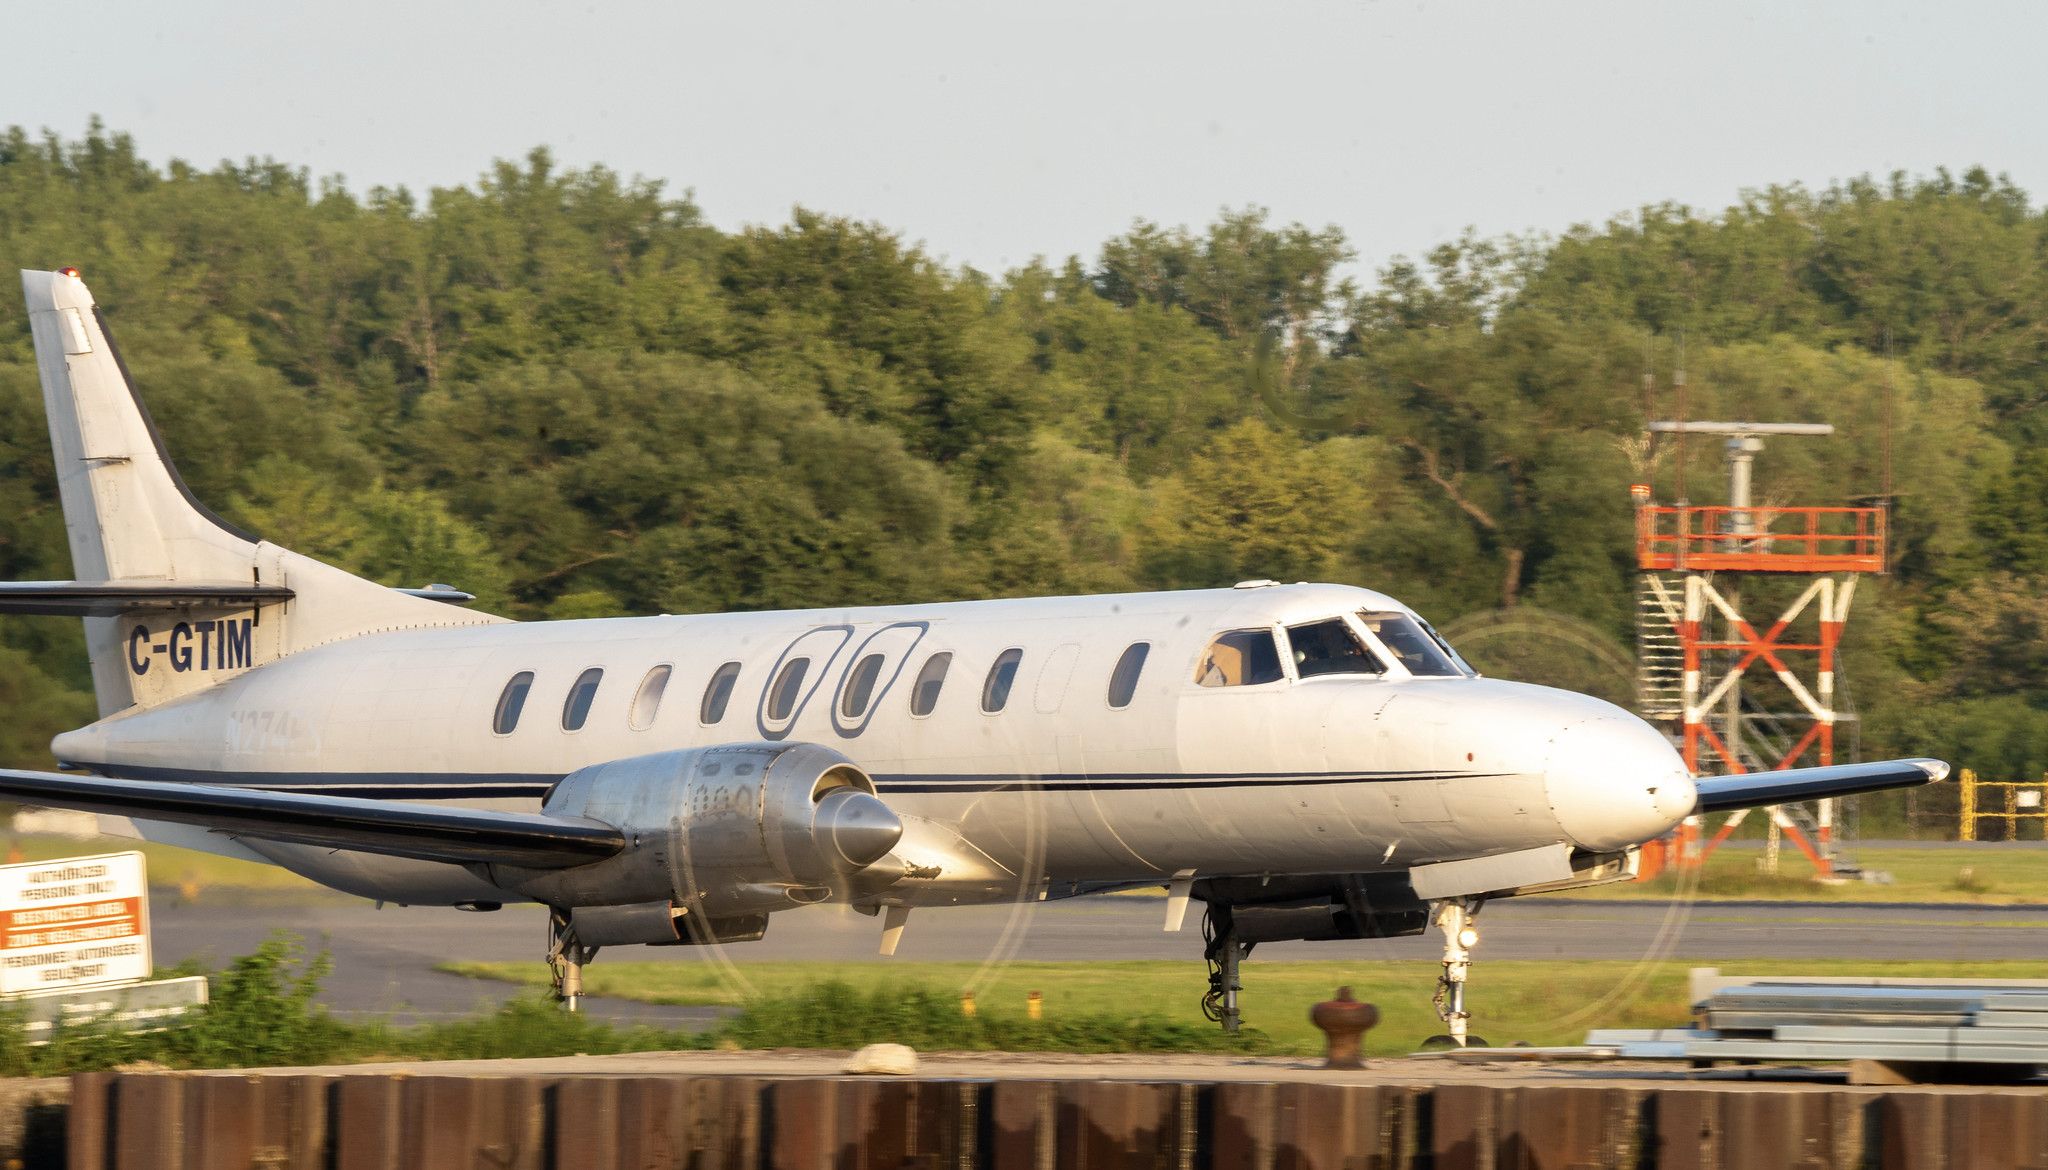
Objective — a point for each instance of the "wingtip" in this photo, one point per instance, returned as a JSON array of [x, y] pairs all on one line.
[[1937, 770]]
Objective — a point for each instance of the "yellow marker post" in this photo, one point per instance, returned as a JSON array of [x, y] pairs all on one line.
[[1968, 800]]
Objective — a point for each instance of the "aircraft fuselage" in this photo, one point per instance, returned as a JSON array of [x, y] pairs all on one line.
[[1303, 774]]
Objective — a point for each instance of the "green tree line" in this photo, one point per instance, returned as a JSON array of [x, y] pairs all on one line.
[[567, 392]]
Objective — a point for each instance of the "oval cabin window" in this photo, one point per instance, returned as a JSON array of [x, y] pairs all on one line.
[[995, 691], [647, 700], [576, 708], [924, 696], [718, 693], [788, 688], [511, 701], [1123, 681], [860, 686]]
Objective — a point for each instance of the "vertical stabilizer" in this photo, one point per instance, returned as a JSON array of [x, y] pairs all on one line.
[[132, 520], [129, 515]]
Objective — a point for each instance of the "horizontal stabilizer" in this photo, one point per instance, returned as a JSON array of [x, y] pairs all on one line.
[[113, 598], [393, 827], [447, 593], [1791, 785]]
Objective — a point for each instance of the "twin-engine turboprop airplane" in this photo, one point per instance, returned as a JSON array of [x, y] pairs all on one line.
[[1308, 761]]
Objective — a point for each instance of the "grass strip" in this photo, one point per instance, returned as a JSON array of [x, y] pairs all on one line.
[[1536, 1001], [265, 1010], [1965, 875]]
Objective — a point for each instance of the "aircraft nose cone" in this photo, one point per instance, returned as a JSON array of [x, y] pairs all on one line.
[[1613, 782], [854, 829]]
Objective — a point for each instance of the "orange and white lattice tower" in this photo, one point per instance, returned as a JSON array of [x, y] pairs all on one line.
[[1696, 648]]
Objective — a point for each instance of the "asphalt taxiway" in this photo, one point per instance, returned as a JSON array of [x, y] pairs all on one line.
[[385, 959]]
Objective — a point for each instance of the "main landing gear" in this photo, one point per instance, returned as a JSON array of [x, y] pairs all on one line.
[[566, 959], [1457, 918], [1224, 951]]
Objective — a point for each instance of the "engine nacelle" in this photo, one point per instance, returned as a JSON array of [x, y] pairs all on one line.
[[731, 830]]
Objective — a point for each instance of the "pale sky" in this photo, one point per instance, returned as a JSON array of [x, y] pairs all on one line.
[[994, 133]]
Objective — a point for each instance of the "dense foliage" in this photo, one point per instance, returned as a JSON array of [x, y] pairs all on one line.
[[568, 393]]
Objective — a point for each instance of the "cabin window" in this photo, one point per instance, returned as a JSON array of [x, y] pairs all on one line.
[[1240, 658], [924, 696], [788, 688], [717, 693], [1330, 648], [860, 686], [1123, 681], [576, 708], [511, 701], [647, 700], [995, 692], [1414, 644]]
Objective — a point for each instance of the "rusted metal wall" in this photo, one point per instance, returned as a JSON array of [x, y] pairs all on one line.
[[182, 1121]]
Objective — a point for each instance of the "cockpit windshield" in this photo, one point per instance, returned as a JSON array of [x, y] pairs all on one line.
[[1418, 647], [1469, 670], [1330, 648]]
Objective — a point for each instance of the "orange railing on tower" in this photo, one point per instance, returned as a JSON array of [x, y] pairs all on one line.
[[1760, 539]]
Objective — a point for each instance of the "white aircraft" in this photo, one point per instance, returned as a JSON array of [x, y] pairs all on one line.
[[1309, 761]]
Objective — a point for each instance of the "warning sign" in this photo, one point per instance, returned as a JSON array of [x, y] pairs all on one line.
[[73, 923]]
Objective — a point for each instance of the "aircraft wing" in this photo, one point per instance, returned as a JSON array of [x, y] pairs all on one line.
[[1786, 786], [394, 827]]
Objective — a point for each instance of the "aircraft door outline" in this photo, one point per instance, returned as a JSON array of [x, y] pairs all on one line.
[[821, 645], [1053, 677], [898, 642]]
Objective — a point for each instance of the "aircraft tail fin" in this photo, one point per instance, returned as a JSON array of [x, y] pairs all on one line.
[[176, 598]]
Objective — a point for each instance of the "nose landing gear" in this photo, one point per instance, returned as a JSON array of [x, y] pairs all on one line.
[[1457, 918]]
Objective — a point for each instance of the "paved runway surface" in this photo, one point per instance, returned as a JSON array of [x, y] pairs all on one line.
[[384, 959]]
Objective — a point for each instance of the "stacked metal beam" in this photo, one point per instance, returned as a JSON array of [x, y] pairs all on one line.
[[1927, 1023]]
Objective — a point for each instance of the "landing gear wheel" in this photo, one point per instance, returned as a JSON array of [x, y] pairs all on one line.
[[1443, 1043], [566, 960]]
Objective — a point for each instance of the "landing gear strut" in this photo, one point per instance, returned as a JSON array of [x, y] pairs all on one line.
[[1224, 952], [566, 959], [1457, 918]]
